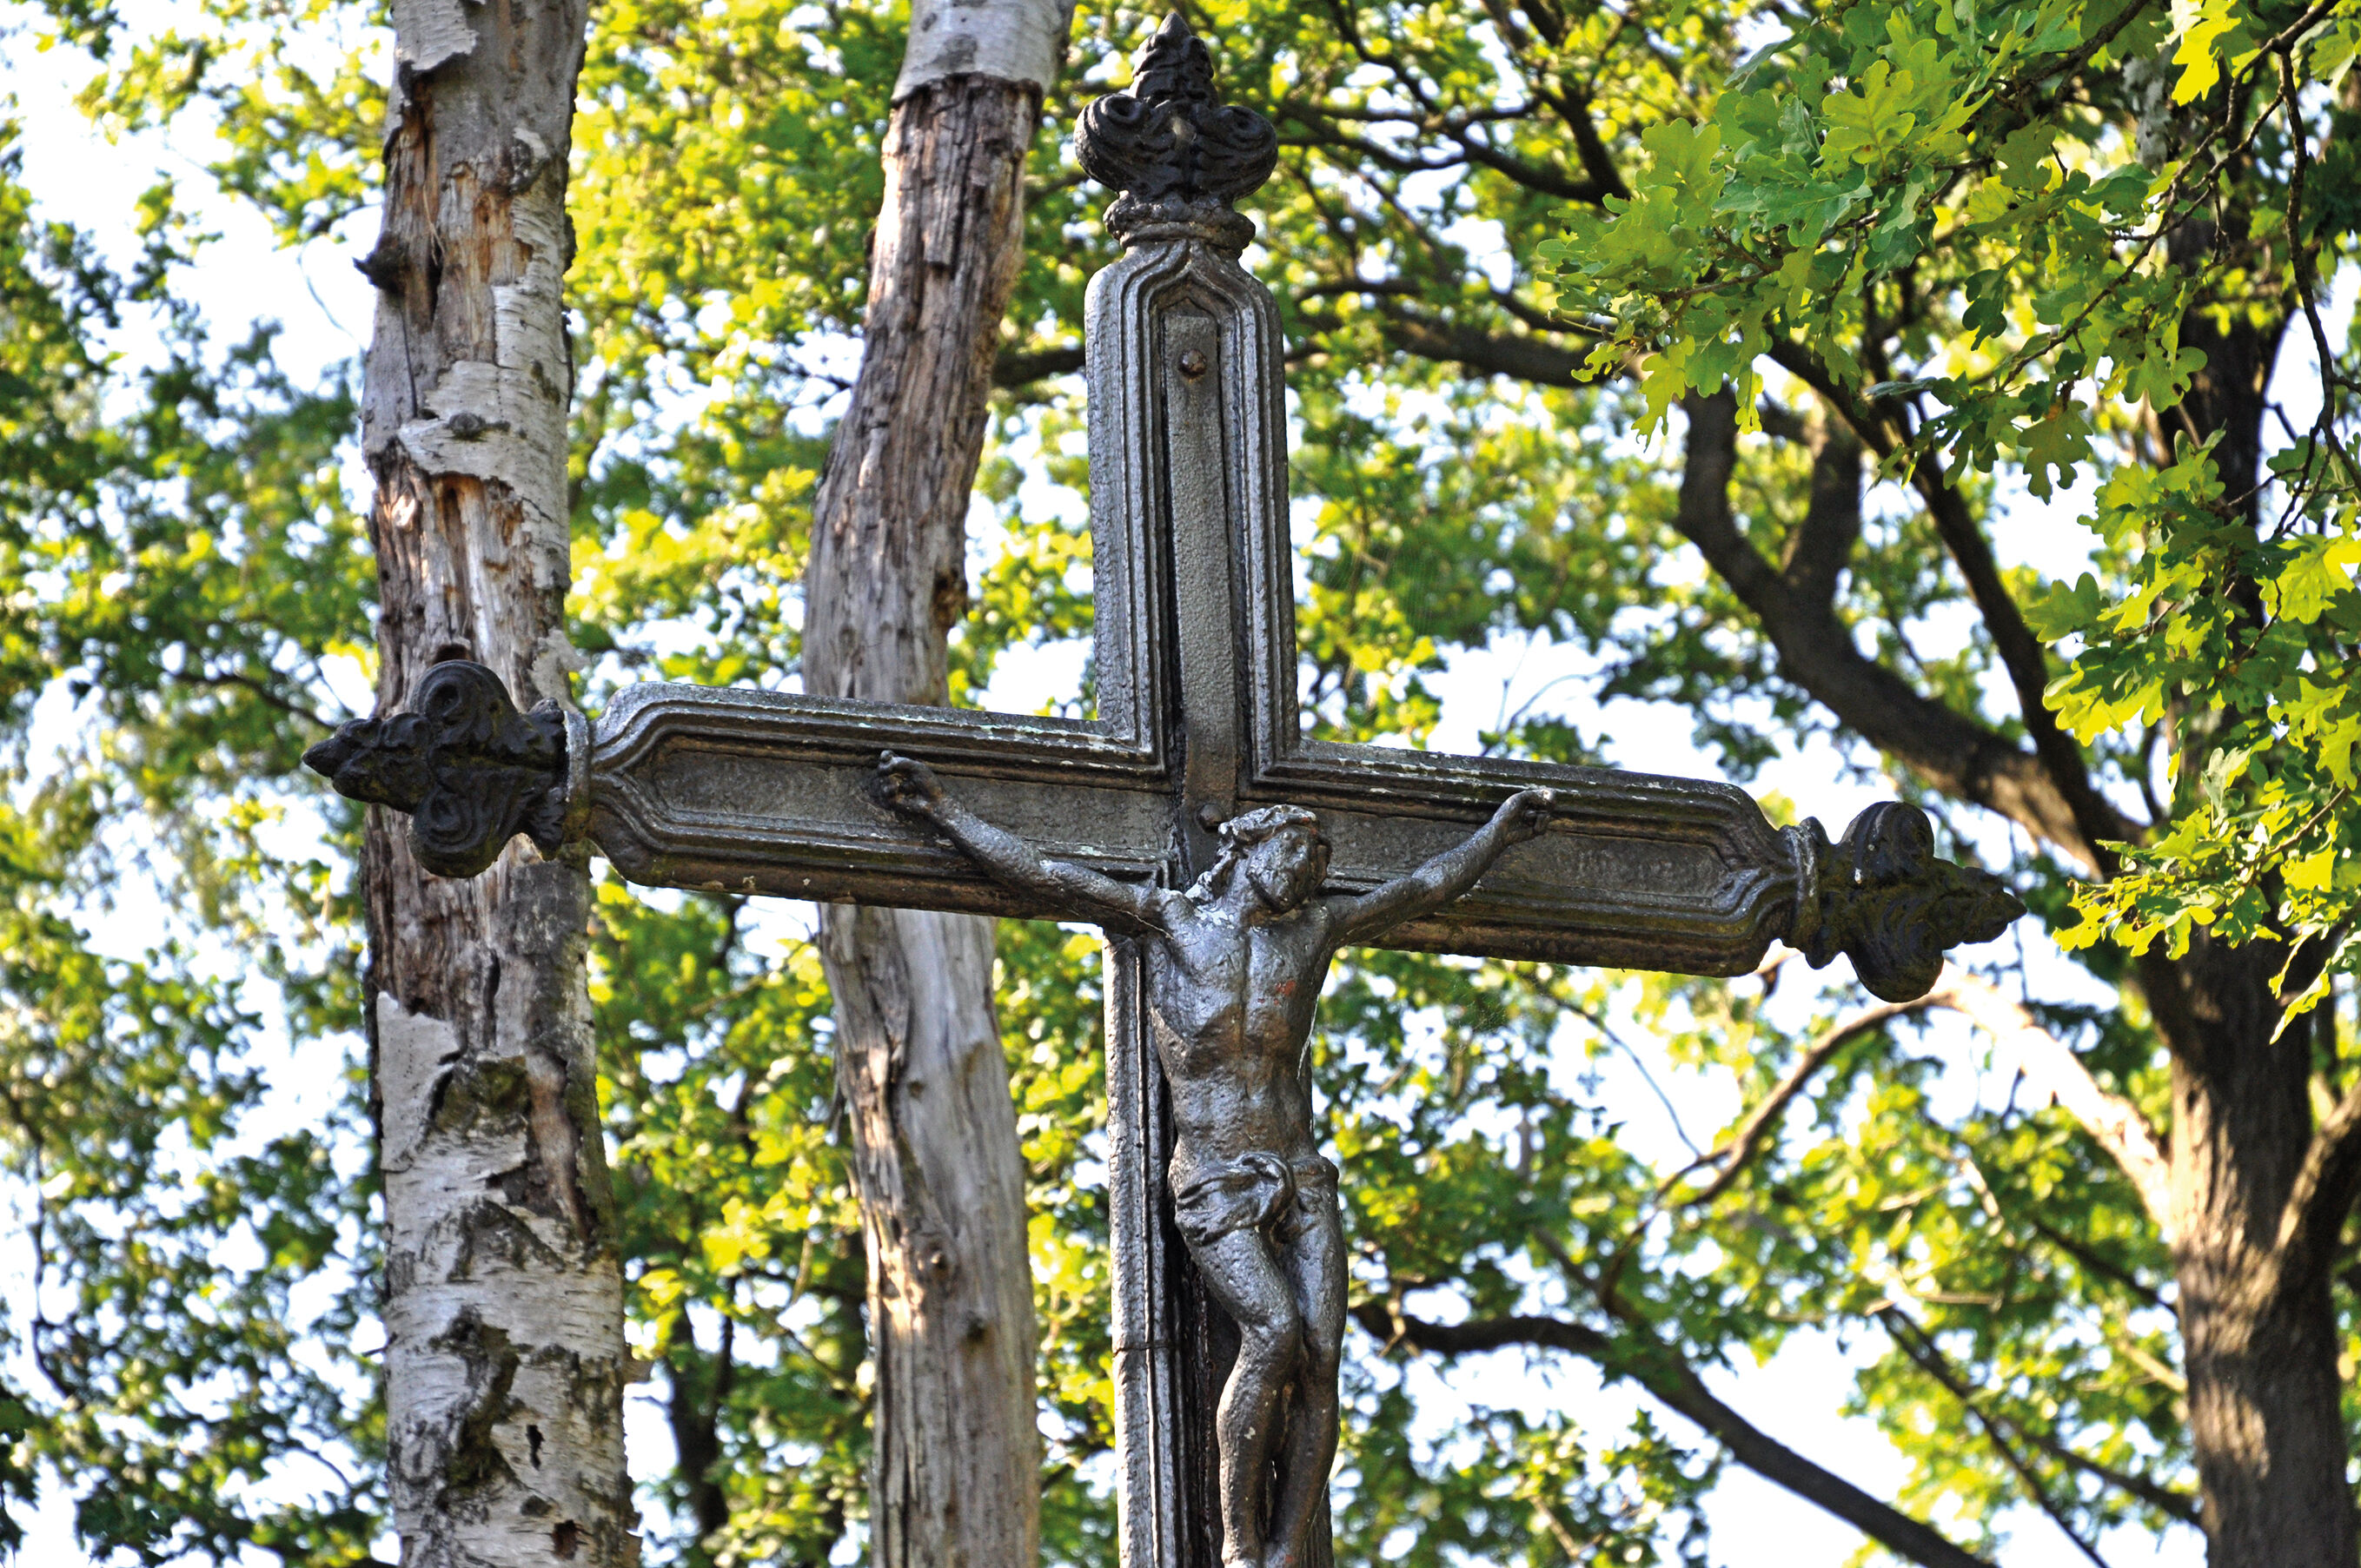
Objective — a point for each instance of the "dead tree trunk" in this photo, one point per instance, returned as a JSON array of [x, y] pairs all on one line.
[[503, 1300], [954, 1480]]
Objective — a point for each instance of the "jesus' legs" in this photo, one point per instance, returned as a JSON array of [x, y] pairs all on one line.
[[1240, 1275], [1312, 1250]]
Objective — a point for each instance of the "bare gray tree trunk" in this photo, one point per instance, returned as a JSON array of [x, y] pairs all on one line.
[[954, 1480], [503, 1301]]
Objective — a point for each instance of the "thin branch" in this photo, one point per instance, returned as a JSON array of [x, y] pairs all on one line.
[[262, 693], [1015, 368], [1734, 1153], [1920, 1348], [2097, 1262], [1640, 1064], [1664, 1372], [2079, 56]]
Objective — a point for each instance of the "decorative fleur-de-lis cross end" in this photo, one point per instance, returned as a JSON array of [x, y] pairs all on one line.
[[471, 769], [1177, 153], [1227, 854]]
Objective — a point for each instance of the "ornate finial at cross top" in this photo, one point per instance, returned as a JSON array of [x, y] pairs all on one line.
[[1179, 155]]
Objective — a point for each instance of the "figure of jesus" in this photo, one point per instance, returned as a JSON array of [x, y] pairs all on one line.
[[1233, 970]]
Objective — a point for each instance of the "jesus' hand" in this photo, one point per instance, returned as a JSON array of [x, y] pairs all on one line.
[[909, 785], [1525, 814]]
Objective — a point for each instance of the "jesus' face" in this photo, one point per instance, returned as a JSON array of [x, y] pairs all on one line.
[[1285, 869]]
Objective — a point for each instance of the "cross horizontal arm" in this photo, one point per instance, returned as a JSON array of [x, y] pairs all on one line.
[[1639, 870], [1634, 870], [755, 792], [752, 791], [769, 793]]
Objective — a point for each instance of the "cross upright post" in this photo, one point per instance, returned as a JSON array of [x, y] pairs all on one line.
[[1198, 727]]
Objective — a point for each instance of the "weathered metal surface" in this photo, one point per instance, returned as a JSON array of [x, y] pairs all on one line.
[[1177, 154], [472, 771], [1881, 897], [1198, 725], [1230, 974], [769, 793]]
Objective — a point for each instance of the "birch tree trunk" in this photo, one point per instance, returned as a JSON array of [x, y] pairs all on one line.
[[954, 1479], [503, 1303]]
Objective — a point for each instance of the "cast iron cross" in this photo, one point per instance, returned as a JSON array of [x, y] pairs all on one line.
[[753, 792]]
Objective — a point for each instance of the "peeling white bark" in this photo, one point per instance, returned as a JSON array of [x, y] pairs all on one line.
[[496, 1307], [503, 1302], [428, 32]]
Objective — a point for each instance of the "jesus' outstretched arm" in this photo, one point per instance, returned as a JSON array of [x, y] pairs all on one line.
[[910, 787], [1446, 876]]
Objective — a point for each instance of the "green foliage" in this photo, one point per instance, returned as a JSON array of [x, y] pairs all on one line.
[[2255, 626], [175, 561], [2009, 181], [1927, 212], [738, 1220]]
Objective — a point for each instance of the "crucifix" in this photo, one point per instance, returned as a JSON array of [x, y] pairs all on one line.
[[1227, 854]]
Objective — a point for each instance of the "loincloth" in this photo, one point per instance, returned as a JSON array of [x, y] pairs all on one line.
[[1256, 1190]]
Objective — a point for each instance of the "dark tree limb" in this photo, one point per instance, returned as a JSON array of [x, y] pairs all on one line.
[[693, 1413], [1953, 754], [1666, 1374], [1598, 162], [1816, 651], [2326, 1186], [1820, 549], [2089, 818], [1022, 368], [2046, 792], [2021, 654], [1514, 355], [1781, 422]]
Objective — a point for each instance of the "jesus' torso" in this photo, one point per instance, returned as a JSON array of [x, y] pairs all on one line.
[[1230, 1004]]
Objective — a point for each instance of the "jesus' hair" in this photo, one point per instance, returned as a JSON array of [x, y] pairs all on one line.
[[1242, 833]]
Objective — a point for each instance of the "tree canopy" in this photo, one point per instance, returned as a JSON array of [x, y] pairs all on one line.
[[1705, 350]]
